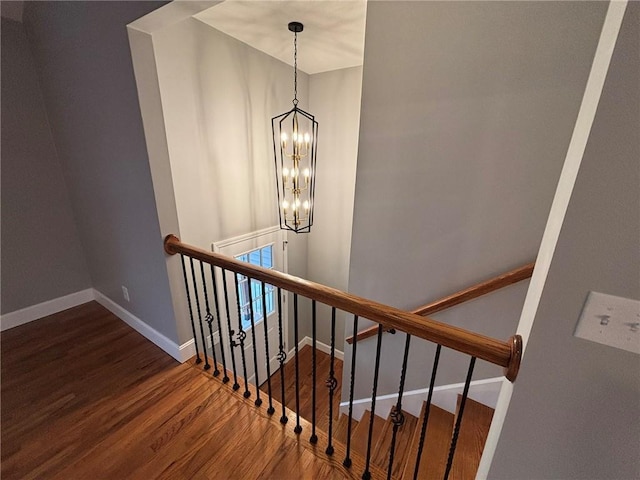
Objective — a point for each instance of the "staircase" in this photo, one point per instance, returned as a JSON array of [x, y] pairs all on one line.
[[438, 444], [473, 434]]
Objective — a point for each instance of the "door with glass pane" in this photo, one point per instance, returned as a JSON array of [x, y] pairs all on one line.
[[267, 249]]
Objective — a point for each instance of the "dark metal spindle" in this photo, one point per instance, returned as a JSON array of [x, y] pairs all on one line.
[[241, 336], [347, 458], [282, 356], [270, 410], [332, 383], [425, 420], [258, 401], [314, 437], [298, 427], [456, 429], [197, 299], [209, 319], [232, 342], [397, 417], [367, 474], [225, 377], [193, 325]]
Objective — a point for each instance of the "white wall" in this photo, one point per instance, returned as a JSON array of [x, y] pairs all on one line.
[[335, 102], [42, 256], [574, 409], [467, 112]]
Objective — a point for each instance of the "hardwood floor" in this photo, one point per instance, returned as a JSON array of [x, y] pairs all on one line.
[[323, 361], [86, 397]]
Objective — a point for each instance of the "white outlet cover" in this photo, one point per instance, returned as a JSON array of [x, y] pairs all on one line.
[[610, 320]]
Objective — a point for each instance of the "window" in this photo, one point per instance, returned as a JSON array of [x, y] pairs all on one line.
[[262, 257]]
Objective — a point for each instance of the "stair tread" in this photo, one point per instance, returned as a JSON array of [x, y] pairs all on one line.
[[403, 439], [361, 433], [436, 446], [341, 427], [474, 429]]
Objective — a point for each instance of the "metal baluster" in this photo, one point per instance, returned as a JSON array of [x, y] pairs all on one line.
[[225, 377], [314, 437], [298, 427], [347, 458], [397, 417], [258, 401], [367, 474], [332, 383], [425, 420], [241, 336], [232, 342], [282, 356], [209, 319], [270, 410], [193, 325], [456, 429], [197, 299]]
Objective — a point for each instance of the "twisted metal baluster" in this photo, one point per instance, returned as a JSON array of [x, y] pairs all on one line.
[[225, 376], [397, 417], [232, 343], [332, 383], [347, 458], [425, 420], [456, 429], [241, 336], [209, 319], [258, 401], [282, 356], [367, 474], [298, 427], [314, 437], [197, 299], [270, 410], [193, 325]]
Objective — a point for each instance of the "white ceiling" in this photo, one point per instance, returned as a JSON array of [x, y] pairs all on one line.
[[333, 35]]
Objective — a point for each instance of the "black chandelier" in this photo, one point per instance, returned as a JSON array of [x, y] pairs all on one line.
[[295, 135]]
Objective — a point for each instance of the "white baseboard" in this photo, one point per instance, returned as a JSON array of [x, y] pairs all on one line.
[[34, 312], [323, 347], [485, 391], [180, 352]]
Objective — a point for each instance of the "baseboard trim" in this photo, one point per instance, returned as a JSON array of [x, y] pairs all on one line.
[[180, 352], [34, 312], [323, 347]]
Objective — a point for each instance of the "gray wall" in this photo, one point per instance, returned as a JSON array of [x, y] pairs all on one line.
[[467, 112], [42, 257], [84, 64], [574, 410]]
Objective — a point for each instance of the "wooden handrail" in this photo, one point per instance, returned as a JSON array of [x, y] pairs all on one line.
[[505, 354], [474, 291]]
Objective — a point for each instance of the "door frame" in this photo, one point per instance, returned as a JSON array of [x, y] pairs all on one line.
[[217, 247]]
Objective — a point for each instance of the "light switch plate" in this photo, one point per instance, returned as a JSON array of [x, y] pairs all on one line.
[[610, 320]]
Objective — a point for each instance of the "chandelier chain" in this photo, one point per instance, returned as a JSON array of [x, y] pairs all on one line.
[[295, 69]]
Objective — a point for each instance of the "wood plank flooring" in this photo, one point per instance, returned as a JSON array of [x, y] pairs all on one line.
[[86, 397]]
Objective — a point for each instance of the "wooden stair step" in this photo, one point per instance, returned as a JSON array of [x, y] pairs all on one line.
[[436, 445], [340, 428], [474, 428], [360, 435], [403, 439]]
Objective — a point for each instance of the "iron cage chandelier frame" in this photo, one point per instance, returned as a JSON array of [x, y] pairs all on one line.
[[295, 135]]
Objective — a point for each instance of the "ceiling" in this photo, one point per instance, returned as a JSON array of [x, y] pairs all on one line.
[[333, 36]]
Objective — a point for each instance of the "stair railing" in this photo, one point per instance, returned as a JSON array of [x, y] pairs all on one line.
[[469, 293], [506, 354]]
